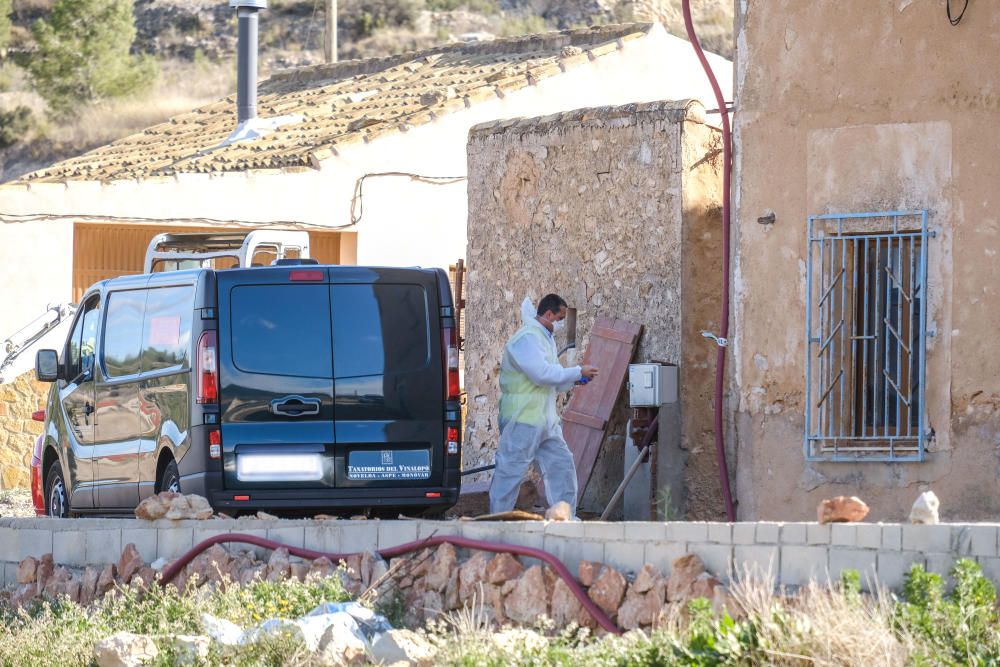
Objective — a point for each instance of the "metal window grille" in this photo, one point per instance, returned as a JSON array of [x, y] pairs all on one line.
[[866, 320]]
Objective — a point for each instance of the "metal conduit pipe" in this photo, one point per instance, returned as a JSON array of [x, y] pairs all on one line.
[[720, 363], [494, 547]]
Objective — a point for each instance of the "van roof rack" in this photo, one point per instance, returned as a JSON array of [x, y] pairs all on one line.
[[173, 251]]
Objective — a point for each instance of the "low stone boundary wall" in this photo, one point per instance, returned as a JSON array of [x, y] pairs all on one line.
[[793, 552]]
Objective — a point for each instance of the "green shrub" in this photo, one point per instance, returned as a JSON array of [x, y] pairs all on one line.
[[15, 125], [6, 6], [958, 628], [83, 54], [358, 19], [63, 633], [477, 6], [529, 24]]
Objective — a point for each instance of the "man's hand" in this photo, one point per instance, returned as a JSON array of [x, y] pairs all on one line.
[[589, 372]]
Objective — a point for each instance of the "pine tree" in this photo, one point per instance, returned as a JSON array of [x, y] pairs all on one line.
[[83, 54]]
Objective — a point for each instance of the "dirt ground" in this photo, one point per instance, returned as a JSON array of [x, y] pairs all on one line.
[[16, 503]]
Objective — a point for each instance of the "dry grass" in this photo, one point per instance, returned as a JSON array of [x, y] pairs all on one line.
[[819, 625], [180, 87]]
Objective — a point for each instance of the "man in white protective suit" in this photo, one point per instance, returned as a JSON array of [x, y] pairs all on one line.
[[530, 376]]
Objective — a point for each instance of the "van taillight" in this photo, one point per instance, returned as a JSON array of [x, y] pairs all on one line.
[[207, 369], [452, 444], [452, 388]]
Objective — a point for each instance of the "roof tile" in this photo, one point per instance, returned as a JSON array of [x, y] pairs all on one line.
[[342, 104]]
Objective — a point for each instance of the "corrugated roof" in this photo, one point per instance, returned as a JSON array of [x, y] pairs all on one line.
[[342, 104]]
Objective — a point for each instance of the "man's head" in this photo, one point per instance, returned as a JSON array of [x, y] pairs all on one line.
[[551, 309]]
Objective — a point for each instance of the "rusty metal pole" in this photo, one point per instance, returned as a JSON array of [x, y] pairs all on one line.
[[330, 35]]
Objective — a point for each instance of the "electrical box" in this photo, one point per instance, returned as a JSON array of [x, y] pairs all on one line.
[[651, 385]]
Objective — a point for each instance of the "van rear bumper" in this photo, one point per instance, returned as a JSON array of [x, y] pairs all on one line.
[[326, 500]]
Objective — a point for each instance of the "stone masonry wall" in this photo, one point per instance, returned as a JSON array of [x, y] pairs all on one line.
[[794, 553], [18, 432], [592, 205]]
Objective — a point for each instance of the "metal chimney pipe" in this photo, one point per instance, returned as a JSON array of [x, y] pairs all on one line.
[[246, 57]]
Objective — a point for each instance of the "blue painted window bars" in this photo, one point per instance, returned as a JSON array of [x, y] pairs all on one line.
[[866, 332]]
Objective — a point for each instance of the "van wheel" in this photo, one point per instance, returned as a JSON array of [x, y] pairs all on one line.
[[170, 478], [56, 503]]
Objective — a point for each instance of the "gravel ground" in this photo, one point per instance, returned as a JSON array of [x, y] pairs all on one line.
[[17, 503]]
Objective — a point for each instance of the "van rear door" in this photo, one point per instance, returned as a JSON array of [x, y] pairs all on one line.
[[276, 378], [388, 378]]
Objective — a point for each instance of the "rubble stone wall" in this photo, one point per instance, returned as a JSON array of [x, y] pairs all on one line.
[[793, 552], [18, 432], [616, 209]]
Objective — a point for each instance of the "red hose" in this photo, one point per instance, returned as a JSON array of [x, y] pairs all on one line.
[[727, 162], [495, 547]]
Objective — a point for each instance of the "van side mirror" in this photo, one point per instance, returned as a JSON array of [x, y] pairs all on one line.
[[47, 366]]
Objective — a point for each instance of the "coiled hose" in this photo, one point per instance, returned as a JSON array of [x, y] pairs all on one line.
[[170, 572]]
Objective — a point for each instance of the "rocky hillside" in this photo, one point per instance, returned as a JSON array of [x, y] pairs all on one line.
[[194, 42]]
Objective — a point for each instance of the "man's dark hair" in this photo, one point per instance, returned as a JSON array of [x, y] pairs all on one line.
[[550, 303]]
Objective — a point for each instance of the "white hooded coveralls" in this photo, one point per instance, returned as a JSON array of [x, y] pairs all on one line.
[[530, 376]]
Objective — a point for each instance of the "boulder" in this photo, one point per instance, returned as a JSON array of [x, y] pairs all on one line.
[[646, 579], [529, 599], [444, 563], [44, 571], [300, 570], [493, 603], [279, 565], [704, 586], [27, 571], [190, 649], [639, 610], [199, 507], [55, 586], [144, 578], [450, 594], [725, 603], [472, 575], [841, 509], [608, 590], [322, 567], [88, 585], [156, 506], [567, 609], [178, 509], [504, 567], [105, 580], [431, 604], [587, 572], [561, 511], [23, 594], [125, 649], [340, 647], [402, 646], [925, 509], [266, 517], [129, 563], [686, 569]]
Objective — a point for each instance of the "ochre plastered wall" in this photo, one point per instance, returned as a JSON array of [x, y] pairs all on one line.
[[866, 105], [615, 208]]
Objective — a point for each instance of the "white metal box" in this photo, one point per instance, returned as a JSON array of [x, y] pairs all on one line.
[[651, 385]]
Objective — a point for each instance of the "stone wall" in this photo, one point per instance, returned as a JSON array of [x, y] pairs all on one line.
[[616, 209], [18, 431], [794, 553]]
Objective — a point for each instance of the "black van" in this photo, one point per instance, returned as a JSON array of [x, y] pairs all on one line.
[[290, 388]]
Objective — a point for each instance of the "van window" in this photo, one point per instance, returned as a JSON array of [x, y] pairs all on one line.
[[281, 329], [122, 332], [379, 329], [83, 341], [166, 332]]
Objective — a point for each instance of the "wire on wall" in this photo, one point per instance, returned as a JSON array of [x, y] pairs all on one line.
[[357, 201], [952, 17]]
